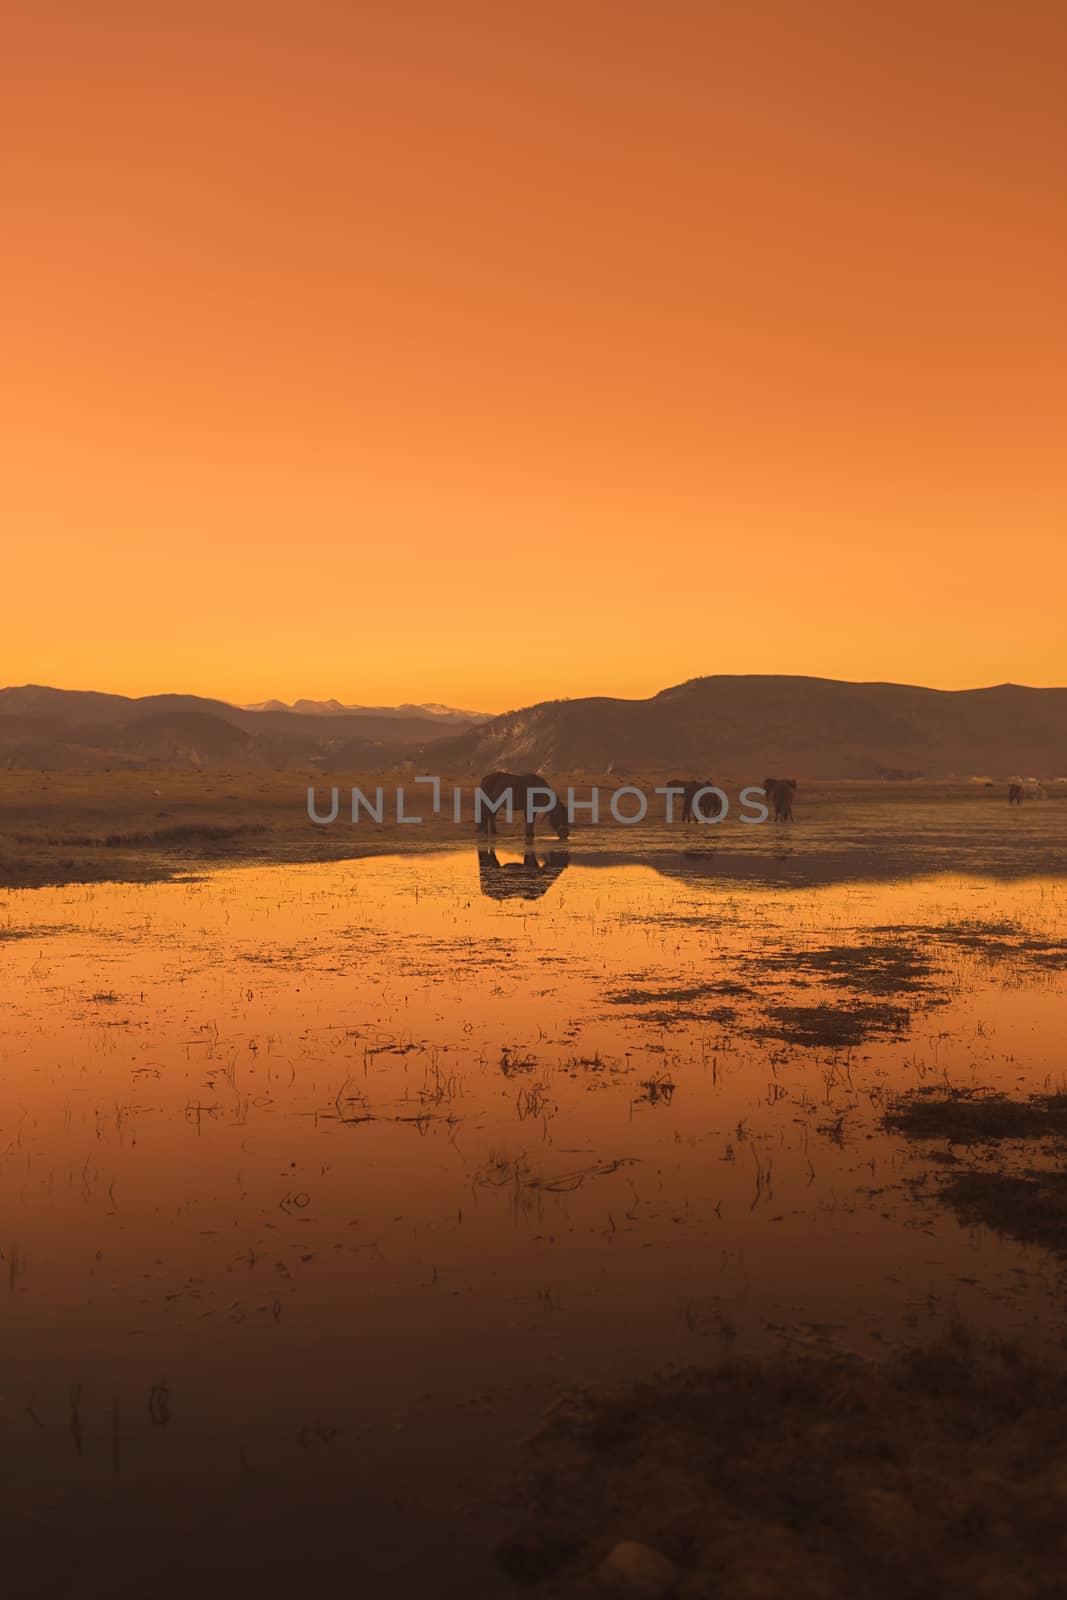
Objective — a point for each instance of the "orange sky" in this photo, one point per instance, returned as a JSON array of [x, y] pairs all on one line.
[[487, 352]]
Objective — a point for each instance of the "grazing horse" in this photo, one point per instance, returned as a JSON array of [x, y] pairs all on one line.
[[780, 792], [496, 784], [690, 789], [1015, 794]]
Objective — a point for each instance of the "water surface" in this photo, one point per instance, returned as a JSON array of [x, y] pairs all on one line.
[[319, 1181]]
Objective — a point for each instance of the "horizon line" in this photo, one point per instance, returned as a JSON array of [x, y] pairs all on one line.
[[366, 707]]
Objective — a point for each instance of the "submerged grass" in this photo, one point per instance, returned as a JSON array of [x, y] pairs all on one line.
[[1028, 1206], [973, 1116], [881, 968], [676, 994], [835, 1026], [1002, 940]]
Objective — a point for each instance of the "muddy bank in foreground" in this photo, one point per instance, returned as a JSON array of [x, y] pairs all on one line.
[[938, 1473]]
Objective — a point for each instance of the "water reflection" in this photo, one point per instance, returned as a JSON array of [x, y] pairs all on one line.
[[527, 879], [324, 1150]]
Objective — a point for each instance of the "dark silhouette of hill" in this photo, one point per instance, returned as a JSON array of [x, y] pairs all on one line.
[[85, 707], [83, 730], [744, 727], [732, 727]]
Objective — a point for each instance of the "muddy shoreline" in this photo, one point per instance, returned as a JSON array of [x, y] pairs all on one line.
[[143, 827]]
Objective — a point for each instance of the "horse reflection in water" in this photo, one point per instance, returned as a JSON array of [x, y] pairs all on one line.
[[527, 879]]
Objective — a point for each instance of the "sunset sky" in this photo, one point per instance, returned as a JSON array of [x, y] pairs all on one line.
[[487, 353]]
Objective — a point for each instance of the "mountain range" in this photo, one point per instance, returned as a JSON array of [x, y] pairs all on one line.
[[334, 708], [84, 730], [729, 727]]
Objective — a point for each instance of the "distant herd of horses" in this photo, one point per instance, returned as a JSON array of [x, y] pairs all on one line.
[[779, 793]]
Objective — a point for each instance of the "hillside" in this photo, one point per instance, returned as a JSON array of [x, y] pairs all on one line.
[[742, 727], [76, 730], [723, 727]]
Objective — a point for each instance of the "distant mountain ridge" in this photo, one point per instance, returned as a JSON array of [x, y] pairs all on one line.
[[88, 705], [87, 730], [334, 708], [729, 727]]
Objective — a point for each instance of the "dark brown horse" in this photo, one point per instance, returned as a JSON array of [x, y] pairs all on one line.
[[690, 789], [496, 784], [780, 792], [1015, 794]]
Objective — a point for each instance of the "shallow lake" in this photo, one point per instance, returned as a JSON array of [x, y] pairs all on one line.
[[318, 1182]]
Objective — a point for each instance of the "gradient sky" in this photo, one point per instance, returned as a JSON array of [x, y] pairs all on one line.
[[487, 353]]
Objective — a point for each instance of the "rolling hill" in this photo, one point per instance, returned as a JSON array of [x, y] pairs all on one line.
[[724, 727], [82, 730], [809, 727]]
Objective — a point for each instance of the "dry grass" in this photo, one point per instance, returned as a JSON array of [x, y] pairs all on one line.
[[139, 827]]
